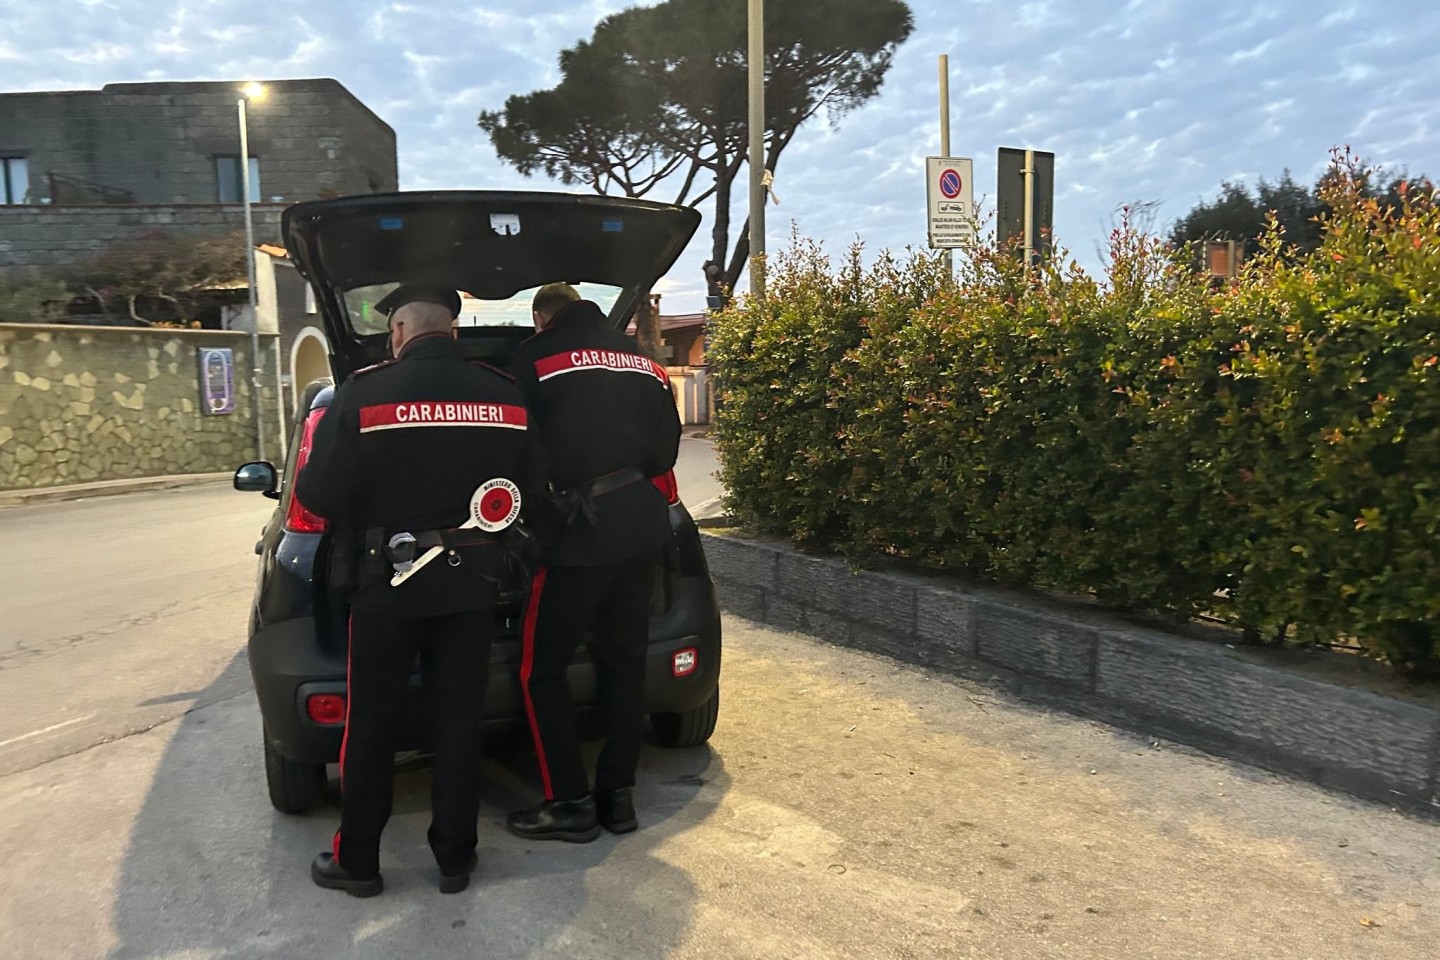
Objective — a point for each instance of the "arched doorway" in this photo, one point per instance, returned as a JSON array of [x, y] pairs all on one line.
[[309, 361]]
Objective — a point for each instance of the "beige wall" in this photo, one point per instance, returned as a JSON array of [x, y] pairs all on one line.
[[79, 404]]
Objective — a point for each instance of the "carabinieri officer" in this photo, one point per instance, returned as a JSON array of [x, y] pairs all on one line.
[[430, 461]]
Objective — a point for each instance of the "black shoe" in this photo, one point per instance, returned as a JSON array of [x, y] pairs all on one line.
[[616, 810], [330, 875], [570, 820], [455, 882]]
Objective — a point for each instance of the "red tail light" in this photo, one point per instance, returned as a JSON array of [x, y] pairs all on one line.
[[668, 486], [325, 707], [297, 518]]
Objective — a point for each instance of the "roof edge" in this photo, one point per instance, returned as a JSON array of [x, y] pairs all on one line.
[[158, 87]]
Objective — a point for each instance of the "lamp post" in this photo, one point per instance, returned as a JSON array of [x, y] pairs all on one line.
[[756, 56], [251, 91], [945, 139]]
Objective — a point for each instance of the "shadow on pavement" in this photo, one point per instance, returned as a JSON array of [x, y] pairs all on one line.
[[212, 871]]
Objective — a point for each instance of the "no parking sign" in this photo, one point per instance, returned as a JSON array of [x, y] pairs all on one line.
[[950, 191]]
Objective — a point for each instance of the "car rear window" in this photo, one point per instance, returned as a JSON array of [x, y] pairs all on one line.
[[474, 312]]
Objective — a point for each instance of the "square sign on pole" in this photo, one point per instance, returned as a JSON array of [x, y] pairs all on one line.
[[950, 191], [1010, 199]]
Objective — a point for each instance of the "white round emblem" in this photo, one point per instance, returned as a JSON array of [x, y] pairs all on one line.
[[495, 505]]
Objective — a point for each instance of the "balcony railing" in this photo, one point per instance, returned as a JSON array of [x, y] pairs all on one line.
[[68, 191]]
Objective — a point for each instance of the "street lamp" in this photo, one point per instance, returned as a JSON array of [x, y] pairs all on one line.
[[251, 91], [756, 55]]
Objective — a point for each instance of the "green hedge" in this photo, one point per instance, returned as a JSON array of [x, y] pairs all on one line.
[[1268, 452]]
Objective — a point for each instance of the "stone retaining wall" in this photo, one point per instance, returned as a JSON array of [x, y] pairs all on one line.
[[1190, 691], [81, 404]]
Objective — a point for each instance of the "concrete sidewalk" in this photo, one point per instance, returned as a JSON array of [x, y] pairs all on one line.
[[107, 488]]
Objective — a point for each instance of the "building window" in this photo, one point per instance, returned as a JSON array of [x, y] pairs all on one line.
[[14, 180], [229, 183]]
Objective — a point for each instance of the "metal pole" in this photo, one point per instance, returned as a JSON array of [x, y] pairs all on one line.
[[250, 270], [945, 135], [757, 147], [1029, 207], [280, 412]]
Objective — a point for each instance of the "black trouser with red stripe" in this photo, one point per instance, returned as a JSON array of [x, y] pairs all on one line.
[[613, 601], [454, 654]]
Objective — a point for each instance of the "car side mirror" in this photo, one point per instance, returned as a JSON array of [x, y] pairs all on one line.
[[258, 477]]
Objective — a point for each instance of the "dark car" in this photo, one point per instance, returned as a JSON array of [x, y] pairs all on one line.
[[497, 249]]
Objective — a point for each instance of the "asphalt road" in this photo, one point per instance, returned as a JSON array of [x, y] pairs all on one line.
[[847, 807], [118, 613], [695, 475]]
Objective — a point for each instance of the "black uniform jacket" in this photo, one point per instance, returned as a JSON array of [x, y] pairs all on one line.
[[600, 406], [403, 447]]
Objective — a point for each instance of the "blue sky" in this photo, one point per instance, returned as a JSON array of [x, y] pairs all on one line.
[[1154, 101]]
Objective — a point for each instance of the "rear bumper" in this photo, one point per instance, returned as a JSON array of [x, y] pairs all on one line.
[[288, 666]]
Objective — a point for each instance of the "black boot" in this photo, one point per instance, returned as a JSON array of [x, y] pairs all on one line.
[[573, 821], [455, 882], [616, 810], [327, 873]]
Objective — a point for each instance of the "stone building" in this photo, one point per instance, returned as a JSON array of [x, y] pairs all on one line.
[[86, 171], [83, 170]]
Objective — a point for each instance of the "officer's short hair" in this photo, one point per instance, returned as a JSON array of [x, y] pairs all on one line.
[[424, 316], [554, 297]]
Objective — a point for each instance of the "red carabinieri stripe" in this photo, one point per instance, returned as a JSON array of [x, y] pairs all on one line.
[[349, 657], [613, 361], [527, 667], [435, 413], [345, 738]]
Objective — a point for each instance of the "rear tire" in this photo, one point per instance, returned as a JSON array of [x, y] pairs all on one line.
[[295, 787], [688, 729]]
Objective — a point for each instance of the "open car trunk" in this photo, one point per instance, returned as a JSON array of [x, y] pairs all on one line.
[[495, 248]]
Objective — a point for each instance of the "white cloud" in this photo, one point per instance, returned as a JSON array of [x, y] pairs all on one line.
[[1342, 16], [1357, 72], [1036, 15], [98, 54], [313, 50], [229, 34], [1254, 53]]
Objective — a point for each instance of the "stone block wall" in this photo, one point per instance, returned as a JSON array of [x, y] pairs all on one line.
[[53, 238], [1078, 658], [80, 404]]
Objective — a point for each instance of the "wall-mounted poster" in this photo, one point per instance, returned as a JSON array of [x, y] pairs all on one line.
[[217, 380]]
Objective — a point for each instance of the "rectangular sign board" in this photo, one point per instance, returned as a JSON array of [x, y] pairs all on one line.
[[950, 193], [1010, 199]]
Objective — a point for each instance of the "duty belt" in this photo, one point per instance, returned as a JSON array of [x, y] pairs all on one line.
[[402, 547], [579, 500]]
